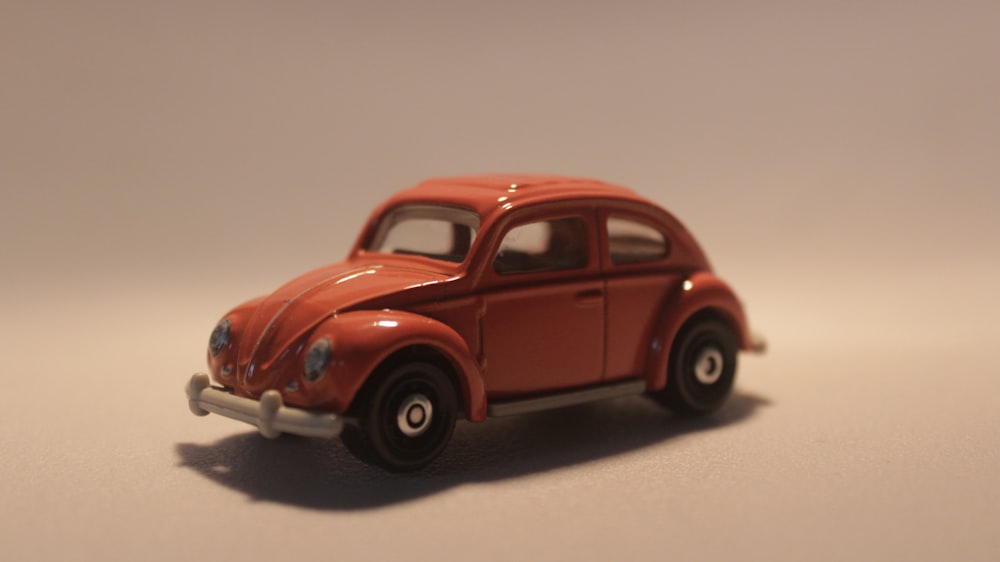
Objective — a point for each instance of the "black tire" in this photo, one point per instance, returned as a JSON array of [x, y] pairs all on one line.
[[702, 368], [406, 418]]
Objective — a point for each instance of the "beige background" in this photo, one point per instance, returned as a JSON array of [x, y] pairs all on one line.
[[160, 162]]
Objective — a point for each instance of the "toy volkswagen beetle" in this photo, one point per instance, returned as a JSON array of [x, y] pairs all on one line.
[[479, 296]]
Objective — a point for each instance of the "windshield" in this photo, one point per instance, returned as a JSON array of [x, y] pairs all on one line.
[[433, 231]]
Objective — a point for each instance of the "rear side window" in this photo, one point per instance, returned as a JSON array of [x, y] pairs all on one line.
[[631, 241]]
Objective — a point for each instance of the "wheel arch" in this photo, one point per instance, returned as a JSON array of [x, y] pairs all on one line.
[[380, 340], [702, 297]]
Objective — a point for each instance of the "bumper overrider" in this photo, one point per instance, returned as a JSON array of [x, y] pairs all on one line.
[[269, 414]]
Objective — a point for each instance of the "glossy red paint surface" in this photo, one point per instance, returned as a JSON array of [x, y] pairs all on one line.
[[504, 323]]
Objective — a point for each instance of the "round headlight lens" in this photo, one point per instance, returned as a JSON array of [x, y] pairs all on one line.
[[317, 359], [219, 337]]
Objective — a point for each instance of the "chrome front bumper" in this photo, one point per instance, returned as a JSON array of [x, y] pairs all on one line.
[[269, 414]]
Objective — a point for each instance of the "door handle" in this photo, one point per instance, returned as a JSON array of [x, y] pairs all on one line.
[[589, 296]]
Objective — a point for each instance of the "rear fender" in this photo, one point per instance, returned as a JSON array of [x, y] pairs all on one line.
[[700, 294]]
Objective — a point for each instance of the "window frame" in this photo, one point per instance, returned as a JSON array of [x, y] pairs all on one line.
[[547, 262], [641, 218], [489, 278]]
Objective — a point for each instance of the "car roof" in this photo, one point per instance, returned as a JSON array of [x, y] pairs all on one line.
[[494, 193]]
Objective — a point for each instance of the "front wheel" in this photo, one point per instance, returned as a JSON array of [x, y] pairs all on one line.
[[702, 368], [407, 418]]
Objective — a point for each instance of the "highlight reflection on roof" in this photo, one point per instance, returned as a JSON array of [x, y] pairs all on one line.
[[490, 192]]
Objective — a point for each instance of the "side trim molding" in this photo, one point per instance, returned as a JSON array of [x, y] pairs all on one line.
[[563, 399]]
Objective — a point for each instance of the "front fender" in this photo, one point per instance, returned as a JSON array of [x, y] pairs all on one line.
[[700, 293], [223, 366], [362, 340]]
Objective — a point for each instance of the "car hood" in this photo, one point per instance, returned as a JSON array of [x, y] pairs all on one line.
[[277, 330]]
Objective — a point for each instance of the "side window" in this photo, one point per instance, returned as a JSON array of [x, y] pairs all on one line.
[[543, 246], [631, 241]]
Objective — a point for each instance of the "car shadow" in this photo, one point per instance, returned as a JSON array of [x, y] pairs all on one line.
[[322, 474]]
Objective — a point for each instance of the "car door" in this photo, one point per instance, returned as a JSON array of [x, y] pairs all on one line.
[[543, 305]]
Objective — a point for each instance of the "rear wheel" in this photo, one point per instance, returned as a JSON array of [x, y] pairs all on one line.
[[406, 419], [702, 368]]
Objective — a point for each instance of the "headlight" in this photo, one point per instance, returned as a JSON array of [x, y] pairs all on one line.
[[219, 337], [316, 360]]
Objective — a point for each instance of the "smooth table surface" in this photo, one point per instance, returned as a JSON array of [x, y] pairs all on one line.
[[860, 452]]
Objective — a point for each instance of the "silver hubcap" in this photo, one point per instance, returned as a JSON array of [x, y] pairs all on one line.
[[708, 366], [414, 415]]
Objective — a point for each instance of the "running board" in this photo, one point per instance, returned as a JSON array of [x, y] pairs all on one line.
[[562, 399]]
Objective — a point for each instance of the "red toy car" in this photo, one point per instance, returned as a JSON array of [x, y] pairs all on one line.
[[480, 296]]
